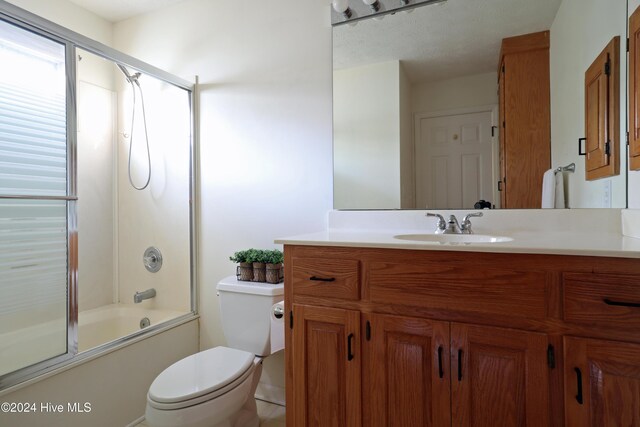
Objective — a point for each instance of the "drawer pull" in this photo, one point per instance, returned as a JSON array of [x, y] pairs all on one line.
[[621, 303], [440, 370], [460, 365], [579, 381], [349, 348], [322, 279]]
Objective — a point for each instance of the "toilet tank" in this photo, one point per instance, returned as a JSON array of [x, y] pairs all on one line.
[[245, 310]]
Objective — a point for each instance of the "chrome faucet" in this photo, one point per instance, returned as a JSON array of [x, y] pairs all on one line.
[[452, 226], [466, 223], [141, 296]]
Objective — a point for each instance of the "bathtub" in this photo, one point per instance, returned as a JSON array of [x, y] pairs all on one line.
[[111, 322]]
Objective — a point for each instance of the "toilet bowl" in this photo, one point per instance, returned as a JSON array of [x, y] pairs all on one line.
[[215, 387]]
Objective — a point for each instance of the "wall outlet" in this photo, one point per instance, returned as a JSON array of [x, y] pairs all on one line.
[[606, 194]]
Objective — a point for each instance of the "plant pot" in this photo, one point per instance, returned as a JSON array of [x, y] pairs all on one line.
[[259, 272], [244, 271], [274, 273]]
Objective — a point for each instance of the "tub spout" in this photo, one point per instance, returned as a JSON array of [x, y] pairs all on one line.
[[141, 296]]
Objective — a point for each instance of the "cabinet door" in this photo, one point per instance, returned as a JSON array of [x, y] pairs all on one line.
[[602, 383], [602, 113], [406, 372], [634, 90], [498, 377], [326, 367]]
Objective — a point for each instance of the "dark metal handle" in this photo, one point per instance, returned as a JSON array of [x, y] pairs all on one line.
[[460, 365], [579, 381], [322, 279], [580, 153], [440, 370], [499, 185], [621, 303], [349, 347]]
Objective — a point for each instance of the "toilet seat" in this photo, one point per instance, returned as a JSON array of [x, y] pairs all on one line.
[[200, 377]]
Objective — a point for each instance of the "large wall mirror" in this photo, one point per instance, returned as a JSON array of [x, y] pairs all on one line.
[[420, 98]]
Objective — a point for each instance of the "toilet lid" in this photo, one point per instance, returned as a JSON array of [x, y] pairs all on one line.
[[199, 374]]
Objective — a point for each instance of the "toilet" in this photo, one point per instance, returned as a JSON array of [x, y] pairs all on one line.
[[215, 387]]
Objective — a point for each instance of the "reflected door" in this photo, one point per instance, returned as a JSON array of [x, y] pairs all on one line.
[[454, 161]]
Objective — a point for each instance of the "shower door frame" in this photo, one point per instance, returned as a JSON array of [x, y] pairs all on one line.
[[72, 40]]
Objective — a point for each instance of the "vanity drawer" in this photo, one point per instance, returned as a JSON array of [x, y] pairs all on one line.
[[602, 300], [459, 288], [326, 277]]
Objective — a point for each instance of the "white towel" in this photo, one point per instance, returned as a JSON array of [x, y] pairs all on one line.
[[549, 189], [560, 202]]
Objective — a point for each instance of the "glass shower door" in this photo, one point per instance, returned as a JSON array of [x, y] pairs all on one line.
[[37, 204]]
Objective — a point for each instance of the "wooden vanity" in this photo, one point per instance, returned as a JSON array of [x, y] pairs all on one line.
[[401, 337]]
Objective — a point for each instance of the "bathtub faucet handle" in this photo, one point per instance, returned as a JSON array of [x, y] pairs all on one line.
[[138, 297]]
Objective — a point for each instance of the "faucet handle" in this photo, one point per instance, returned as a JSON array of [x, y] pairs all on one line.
[[466, 223], [442, 224]]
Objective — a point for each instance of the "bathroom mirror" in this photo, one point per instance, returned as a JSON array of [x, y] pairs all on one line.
[[432, 72]]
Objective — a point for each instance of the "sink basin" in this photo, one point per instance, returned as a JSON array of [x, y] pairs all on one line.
[[454, 239]]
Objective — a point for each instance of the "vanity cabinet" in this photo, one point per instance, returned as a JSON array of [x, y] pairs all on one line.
[[602, 383], [437, 338], [525, 119]]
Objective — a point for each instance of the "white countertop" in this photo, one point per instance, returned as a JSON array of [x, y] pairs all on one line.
[[558, 243], [583, 241]]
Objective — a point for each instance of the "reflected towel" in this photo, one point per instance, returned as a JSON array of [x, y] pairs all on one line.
[[549, 189], [559, 202]]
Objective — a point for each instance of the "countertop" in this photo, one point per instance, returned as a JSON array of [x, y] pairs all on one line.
[[583, 243]]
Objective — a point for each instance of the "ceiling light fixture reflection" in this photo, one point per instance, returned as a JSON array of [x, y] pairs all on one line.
[[373, 4], [342, 7]]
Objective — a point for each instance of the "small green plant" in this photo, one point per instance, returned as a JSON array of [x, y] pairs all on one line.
[[274, 257], [240, 256]]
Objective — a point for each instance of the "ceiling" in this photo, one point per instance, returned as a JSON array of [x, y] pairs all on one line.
[[443, 40], [118, 10]]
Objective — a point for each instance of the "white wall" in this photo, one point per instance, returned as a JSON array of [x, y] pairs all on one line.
[[407, 164], [265, 146], [366, 136], [580, 31], [461, 92]]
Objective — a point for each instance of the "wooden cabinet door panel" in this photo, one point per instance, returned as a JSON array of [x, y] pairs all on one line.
[[498, 377], [634, 90], [327, 360], [406, 372], [602, 383]]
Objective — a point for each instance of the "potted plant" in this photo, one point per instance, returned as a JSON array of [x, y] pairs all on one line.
[[258, 257], [274, 259], [244, 271]]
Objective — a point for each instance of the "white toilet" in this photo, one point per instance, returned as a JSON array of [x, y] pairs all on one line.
[[215, 388]]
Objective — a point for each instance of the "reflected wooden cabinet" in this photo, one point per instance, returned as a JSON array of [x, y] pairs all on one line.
[[437, 338], [634, 90], [602, 113], [525, 117]]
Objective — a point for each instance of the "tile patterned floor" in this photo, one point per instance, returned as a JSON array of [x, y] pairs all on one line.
[[270, 415]]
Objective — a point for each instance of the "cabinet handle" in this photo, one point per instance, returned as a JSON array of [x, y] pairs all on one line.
[[440, 370], [621, 303], [349, 347], [580, 152], [460, 365], [322, 279], [579, 381]]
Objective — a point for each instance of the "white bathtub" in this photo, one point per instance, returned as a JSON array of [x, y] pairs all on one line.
[[108, 323]]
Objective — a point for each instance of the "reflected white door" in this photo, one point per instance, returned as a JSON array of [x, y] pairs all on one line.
[[454, 160]]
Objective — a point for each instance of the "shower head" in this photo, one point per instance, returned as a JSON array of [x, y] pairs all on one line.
[[130, 78]]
